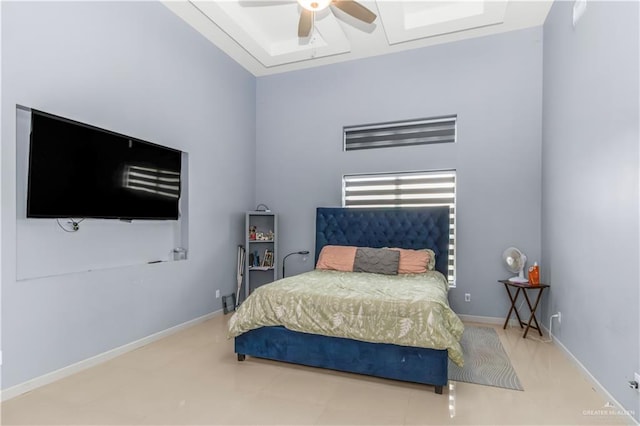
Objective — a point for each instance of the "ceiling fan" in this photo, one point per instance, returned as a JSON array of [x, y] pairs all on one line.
[[350, 7]]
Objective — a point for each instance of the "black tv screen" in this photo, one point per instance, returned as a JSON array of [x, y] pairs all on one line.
[[81, 171]]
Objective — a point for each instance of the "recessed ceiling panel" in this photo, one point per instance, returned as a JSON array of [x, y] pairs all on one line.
[[424, 14], [269, 30], [422, 19], [262, 35]]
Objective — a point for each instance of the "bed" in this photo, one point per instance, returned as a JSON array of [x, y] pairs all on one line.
[[404, 359]]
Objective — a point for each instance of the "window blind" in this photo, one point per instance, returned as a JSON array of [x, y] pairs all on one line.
[[401, 133], [417, 189]]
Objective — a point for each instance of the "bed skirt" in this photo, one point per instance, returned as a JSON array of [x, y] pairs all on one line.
[[409, 364]]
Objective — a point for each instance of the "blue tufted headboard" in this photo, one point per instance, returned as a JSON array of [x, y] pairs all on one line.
[[411, 228]]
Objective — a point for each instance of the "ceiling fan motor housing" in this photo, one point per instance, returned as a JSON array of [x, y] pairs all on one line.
[[314, 5], [310, 7]]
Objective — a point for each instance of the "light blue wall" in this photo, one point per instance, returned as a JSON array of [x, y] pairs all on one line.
[[590, 188], [493, 84], [135, 68], [163, 82]]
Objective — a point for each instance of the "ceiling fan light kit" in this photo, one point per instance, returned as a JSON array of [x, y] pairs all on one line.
[[314, 5]]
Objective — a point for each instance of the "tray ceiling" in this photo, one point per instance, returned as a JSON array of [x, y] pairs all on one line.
[[261, 35]]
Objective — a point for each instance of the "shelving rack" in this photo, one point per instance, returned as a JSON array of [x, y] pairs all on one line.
[[261, 237]]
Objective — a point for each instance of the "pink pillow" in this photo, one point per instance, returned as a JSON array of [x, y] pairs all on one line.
[[337, 258], [414, 261]]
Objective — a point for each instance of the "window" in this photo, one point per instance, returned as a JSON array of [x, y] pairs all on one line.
[[416, 189], [401, 133]]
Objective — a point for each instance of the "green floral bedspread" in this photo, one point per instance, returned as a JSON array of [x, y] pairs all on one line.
[[406, 310]]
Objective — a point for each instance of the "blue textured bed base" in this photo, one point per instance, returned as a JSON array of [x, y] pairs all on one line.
[[418, 365]]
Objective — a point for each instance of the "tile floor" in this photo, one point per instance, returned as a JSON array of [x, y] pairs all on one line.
[[193, 377]]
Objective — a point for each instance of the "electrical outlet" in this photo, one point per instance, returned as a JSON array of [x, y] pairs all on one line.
[[217, 294], [467, 297], [559, 317]]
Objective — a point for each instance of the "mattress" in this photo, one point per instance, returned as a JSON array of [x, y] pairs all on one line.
[[405, 309]]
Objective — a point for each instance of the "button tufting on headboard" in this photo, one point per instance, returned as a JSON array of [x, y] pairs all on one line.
[[412, 228]]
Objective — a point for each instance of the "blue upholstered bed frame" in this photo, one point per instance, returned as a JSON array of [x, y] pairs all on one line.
[[381, 227]]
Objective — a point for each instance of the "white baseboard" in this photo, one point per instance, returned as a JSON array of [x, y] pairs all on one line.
[[596, 384], [486, 320], [53, 376]]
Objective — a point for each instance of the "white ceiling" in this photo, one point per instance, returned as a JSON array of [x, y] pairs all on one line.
[[262, 35]]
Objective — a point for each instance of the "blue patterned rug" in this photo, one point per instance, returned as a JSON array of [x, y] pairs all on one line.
[[485, 361]]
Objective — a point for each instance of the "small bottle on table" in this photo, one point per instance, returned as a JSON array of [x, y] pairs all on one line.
[[534, 274]]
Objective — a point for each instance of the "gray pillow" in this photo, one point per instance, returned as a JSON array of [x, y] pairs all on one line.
[[377, 261]]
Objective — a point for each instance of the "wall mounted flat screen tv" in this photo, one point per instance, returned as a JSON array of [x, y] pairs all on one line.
[[81, 171]]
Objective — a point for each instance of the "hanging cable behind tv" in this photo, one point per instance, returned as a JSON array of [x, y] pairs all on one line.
[[75, 225]]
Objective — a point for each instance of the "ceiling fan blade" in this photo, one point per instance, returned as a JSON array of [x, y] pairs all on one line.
[[306, 23], [355, 9]]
